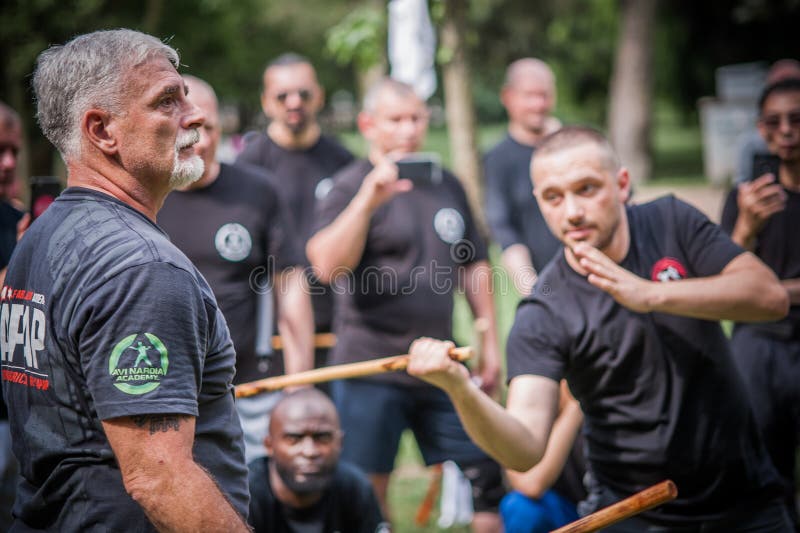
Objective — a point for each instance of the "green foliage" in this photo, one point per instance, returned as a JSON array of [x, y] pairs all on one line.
[[359, 37]]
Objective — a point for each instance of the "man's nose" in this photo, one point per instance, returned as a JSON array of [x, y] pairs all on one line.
[[573, 207], [308, 447], [194, 117], [8, 160]]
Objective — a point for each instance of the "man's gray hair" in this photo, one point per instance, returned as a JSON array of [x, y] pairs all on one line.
[[385, 84], [88, 71]]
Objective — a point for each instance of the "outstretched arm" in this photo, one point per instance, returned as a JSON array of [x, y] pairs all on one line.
[[154, 453], [746, 290], [515, 436]]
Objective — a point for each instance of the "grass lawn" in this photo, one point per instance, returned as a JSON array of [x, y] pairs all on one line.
[[677, 161]]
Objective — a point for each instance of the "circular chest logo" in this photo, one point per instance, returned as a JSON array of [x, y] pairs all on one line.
[[323, 188], [138, 363], [668, 269], [449, 225], [233, 242]]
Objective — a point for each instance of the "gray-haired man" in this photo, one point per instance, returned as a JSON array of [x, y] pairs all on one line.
[[116, 360]]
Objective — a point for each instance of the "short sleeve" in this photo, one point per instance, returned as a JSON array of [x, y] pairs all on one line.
[[497, 205], [536, 344], [143, 342], [334, 202], [707, 247]]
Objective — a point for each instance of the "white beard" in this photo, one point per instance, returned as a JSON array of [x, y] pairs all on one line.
[[187, 171]]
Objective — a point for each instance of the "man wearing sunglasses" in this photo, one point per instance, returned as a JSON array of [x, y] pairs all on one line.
[[300, 158], [762, 216]]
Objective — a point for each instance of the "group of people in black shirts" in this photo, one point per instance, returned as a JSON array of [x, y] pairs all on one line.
[[118, 354]]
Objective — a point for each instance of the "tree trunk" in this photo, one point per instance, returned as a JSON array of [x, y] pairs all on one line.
[[630, 100], [459, 109]]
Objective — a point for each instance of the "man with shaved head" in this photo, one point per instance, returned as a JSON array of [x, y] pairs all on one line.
[[234, 227], [629, 315], [300, 158], [302, 485], [528, 94], [400, 249]]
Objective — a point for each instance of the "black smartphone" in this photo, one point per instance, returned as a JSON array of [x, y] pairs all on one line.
[[424, 170], [44, 190], [765, 164]]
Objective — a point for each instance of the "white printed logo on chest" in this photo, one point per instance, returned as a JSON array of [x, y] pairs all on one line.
[[449, 225], [233, 242]]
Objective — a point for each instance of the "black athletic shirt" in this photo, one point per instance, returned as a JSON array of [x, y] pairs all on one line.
[[775, 246], [660, 393], [238, 234], [348, 505], [102, 317], [403, 286], [302, 177], [511, 210]]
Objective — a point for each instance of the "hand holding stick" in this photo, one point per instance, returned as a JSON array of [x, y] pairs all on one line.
[[329, 373]]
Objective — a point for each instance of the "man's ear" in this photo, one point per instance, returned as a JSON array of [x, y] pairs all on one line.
[[364, 122], [97, 128], [319, 99], [268, 445], [505, 96], [265, 103], [624, 184]]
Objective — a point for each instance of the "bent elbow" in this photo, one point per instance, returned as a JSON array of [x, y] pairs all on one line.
[[524, 462], [781, 303], [141, 487]]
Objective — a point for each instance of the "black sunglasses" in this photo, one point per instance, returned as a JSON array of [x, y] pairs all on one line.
[[304, 94], [773, 122]]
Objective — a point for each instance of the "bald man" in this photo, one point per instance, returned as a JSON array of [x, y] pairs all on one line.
[[303, 486], [233, 226], [630, 318], [516, 223]]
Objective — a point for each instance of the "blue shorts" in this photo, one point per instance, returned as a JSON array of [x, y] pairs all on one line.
[[375, 414], [522, 514]]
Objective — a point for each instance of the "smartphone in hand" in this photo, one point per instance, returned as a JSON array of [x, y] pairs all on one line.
[[422, 169], [765, 164]]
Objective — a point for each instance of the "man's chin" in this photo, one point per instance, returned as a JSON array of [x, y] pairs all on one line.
[[187, 171]]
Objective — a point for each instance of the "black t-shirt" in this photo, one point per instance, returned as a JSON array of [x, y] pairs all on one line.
[[237, 232], [775, 245], [660, 393], [348, 505], [403, 286], [302, 177], [9, 216], [102, 317], [511, 210]]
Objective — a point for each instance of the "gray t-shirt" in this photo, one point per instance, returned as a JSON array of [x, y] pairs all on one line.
[[102, 317]]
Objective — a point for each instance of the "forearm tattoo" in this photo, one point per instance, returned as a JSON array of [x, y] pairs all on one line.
[[159, 423]]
